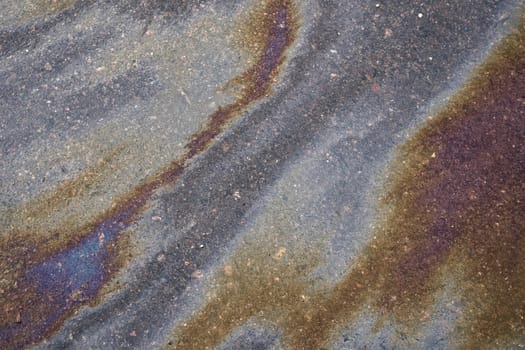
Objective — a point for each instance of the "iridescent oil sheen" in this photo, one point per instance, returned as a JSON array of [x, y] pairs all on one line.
[[450, 217], [50, 278]]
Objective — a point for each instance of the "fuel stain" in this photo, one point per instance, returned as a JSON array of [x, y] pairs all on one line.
[[451, 215], [50, 272], [39, 8], [271, 25]]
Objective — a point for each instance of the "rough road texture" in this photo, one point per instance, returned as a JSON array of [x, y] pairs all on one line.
[[262, 174]]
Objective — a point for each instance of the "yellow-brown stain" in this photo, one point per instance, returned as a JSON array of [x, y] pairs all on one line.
[[37, 217], [38, 8], [452, 210], [254, 283]]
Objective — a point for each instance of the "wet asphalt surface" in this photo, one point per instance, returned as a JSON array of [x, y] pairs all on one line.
[[108, 243]]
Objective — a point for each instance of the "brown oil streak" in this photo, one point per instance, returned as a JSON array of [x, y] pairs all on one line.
[[452, 209], [255, 82], [25, 246], [25, 218], [454, 181]]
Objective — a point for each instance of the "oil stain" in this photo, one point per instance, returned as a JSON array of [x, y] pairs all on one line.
[[38, 8], [273, 25], [452, 209], [50, 273]]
